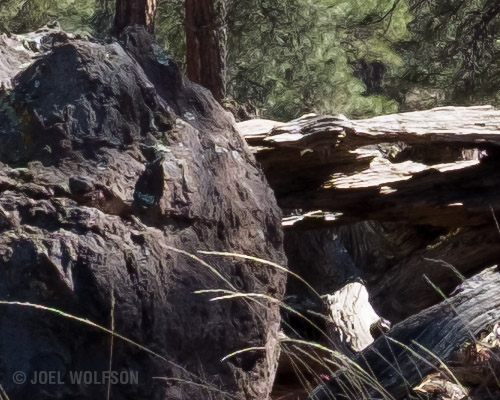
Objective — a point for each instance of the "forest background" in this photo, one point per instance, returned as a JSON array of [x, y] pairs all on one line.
[[359, 58]]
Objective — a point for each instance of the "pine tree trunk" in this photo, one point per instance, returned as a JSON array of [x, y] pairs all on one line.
[[135, 12], [204, 56]]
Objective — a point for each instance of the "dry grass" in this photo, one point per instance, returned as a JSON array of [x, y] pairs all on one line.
[[303, 356]]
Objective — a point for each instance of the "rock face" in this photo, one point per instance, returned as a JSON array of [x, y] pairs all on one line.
[[112, 169]]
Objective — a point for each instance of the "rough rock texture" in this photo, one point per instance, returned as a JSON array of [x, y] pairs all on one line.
[[109, 162], [18, 51]]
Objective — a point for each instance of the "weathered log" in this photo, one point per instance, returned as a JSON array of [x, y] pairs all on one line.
[[403, 196], [391, 259], [425, 167], [419, 345], [352, 316]]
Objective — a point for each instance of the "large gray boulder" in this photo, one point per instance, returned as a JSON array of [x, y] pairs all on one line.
[[111, 166]]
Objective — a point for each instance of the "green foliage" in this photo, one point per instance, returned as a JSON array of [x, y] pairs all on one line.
[[454, 52], [76, 16], [169, 27], [298, 56], [356, 57], [285, 58]]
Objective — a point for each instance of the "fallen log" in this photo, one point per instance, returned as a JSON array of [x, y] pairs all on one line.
[[421, 344], [353, 320], [425, 167], [402, 196]]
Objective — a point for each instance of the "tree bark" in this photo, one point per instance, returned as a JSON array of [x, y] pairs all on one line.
[[425, 166], [135, 12], [412, 349], [405, 195], [204, 55]]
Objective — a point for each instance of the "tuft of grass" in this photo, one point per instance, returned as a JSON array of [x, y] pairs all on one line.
[[356, 382], [111, 342], [3, 394], [235, 353], [264, 262]]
